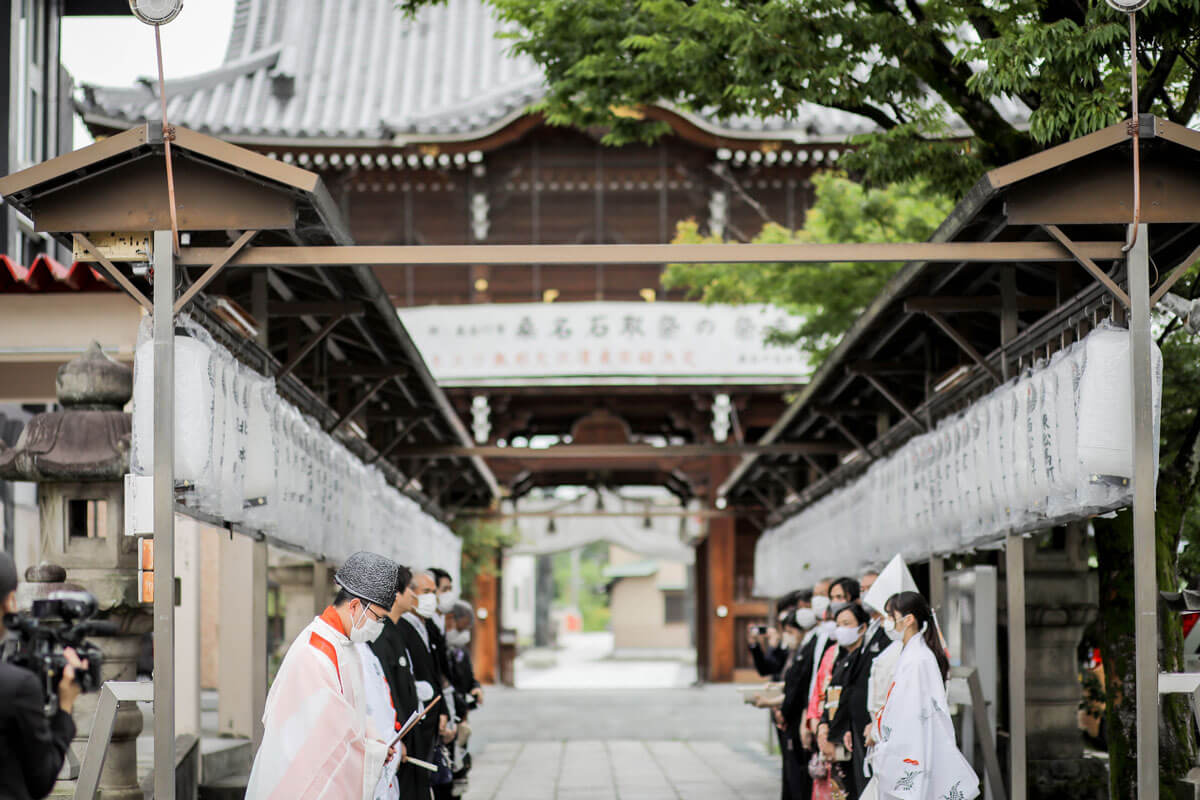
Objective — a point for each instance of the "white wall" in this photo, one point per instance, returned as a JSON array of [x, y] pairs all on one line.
[[518, 583]]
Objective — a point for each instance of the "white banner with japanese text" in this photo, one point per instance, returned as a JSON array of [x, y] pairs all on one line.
[[494, 344]]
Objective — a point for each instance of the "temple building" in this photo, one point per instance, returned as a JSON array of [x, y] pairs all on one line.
[[425, 132]]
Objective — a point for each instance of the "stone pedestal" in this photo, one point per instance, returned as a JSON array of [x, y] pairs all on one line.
[[1061, 600], [78, 457]]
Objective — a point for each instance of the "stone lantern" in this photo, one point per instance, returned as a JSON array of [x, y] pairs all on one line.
[[78, 457]]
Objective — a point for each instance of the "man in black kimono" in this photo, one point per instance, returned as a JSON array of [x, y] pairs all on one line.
[[392, 651], [427, 647]]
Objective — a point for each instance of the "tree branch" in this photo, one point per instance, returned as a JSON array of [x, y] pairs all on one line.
[[1003, 142], [1156, 81], [1191, 100], [873, 113], [722, 172]]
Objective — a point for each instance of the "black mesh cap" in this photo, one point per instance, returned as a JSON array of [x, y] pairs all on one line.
[[369, 576]]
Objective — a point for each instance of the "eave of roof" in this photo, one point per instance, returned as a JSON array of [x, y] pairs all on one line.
[[985, 191], [325, 226], [356, 72]]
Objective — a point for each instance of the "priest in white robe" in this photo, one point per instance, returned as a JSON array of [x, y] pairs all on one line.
[[319, 743]]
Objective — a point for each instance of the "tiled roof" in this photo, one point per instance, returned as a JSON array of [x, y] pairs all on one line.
[[360, 71], [47, 275]]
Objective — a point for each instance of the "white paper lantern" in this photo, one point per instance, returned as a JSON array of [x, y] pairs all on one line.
[[193, 409]]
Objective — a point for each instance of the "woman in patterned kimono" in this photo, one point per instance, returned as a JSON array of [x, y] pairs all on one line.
[[822, 785], [915, 755]]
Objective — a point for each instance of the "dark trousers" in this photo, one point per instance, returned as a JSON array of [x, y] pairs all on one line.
[[796, 780]]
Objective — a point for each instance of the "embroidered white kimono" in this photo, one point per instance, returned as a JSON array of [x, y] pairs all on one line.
[[318, 743], [382, 713], [916, 757]]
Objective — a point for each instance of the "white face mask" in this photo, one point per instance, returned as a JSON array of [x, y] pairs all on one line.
[[847, 636], [828, 627], [446, 601], [367, 632], [458, 639], [806, 618], [889, 627], [820, 604], [426, 605]]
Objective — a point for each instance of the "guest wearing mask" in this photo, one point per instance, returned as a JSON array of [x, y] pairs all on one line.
[[427, 654], [765, 648], [840, 735], [447, 596], [844, 590], [467, 691], [397, 664], [789, 716]]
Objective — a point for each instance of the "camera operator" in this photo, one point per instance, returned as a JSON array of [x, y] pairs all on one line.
[[32, 747]]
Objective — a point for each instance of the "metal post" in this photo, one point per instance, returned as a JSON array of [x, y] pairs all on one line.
[[1145, 582], [1014, 581], [164, 516], [937, 583]]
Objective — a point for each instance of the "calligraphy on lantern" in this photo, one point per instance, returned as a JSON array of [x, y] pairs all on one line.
[[578, 339]]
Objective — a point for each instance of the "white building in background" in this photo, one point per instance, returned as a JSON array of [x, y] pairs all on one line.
[[650, 560], [650, 603]]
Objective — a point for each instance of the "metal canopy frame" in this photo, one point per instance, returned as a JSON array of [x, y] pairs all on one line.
[[1069, 193], [950, 245]]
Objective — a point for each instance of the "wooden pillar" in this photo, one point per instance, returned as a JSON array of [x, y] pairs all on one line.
[[720, 557], [486, 638], [703, 626]]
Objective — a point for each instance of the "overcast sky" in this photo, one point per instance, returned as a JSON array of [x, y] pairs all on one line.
[[116, 51]]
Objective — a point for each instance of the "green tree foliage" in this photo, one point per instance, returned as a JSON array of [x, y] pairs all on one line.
[[920, 71], [593, 586], [483, 543], [826, 298]]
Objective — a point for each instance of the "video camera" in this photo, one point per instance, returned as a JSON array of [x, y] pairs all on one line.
[[56, 622]]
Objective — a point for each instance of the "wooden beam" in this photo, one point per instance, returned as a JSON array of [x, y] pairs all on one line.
[[887, 368], [608, 451], [307, 347], [113, 272], [1087, 263], [703, 513], [409, 427], [894, 400], [854, 440], [315, 309], [591, 254], [812, 462], [212, 271], [962, 342], [346, 370], [362, 401], [951, 305]]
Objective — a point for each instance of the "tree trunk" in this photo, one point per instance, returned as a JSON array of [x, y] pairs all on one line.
[[1114, 551]]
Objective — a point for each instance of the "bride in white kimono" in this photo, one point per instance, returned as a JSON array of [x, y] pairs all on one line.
[[915, 755]]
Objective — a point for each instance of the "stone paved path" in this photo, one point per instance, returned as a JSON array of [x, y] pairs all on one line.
[[619, 769], [672, 744]]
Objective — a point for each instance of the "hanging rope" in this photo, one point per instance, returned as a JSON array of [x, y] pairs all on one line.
[[168, 136]]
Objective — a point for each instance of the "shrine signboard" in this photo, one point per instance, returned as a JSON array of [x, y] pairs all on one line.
[[603, 342]]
